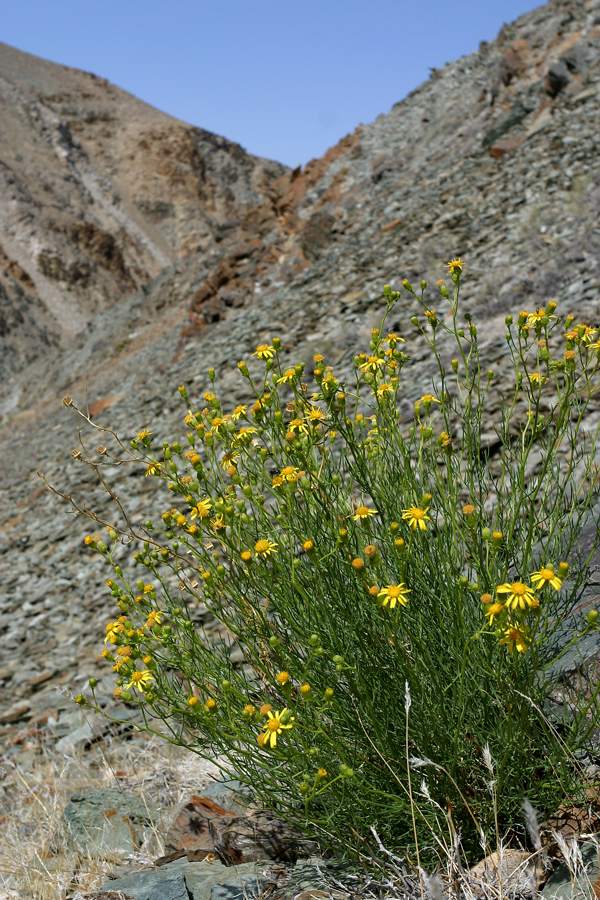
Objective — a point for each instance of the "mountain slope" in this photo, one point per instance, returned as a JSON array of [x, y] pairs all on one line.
[[98, 193]]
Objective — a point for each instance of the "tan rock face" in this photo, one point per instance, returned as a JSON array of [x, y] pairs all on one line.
[[98, 193]]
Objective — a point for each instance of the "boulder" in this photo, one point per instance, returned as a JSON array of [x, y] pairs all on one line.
[[260, 835], [194, 829], [104, 823]]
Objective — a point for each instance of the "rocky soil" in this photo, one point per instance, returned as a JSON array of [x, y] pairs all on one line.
[[496, 158]]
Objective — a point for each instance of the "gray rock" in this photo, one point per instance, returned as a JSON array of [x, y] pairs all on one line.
[[239, 888], [560, 885], [104, 823], [159, 885], [201, 880], [231, 794]]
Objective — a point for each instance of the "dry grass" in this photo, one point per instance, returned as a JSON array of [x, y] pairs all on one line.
[[34, 796]]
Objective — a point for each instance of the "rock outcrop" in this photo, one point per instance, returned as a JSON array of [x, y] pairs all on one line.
[[98, 193]]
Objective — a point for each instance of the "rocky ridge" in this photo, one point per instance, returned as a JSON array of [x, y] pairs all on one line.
[[496, 158], [98, 193]]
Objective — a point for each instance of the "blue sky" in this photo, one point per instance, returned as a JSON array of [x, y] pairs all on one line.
[[286, 79]]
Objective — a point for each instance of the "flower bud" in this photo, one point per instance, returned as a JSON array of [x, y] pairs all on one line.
[[406, 284], [415, 321], [387, 291], [508, 321], [225, 686], [276, 343], [563, 569], [490, 374], [496, 538], [243, 368], [444, 291], [314, 640], [486, 534], [274, 641], [92, 683], [592, 617]]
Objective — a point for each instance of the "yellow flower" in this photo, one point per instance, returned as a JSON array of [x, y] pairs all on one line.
[[392, 336], [454, 265], [384, 390], [537, 316], [283, 678], [519, 594], [536, 378], [148, 588], [112, 631], [238, 412], [288, 376], [245, 556], [429, 398], [416, 517], [265, 547], [143, 434], [516, 637], [218, 523], [494, 610], [289, 473], [152, 469], [297, 426], [371, 364], [273, 727], [229, 459], [544, 577], [209, 396], [202, 509], [244, 433], [316, 415], [394, 593], [153, 617], [263, 351], [363, 512], [140, 679]]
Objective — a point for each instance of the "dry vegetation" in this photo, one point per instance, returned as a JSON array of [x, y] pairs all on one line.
[[33, 799]]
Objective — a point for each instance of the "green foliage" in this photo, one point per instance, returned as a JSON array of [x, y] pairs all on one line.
[[390, 596]]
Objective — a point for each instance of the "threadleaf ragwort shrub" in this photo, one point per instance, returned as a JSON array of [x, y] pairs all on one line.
[[395, 595]]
